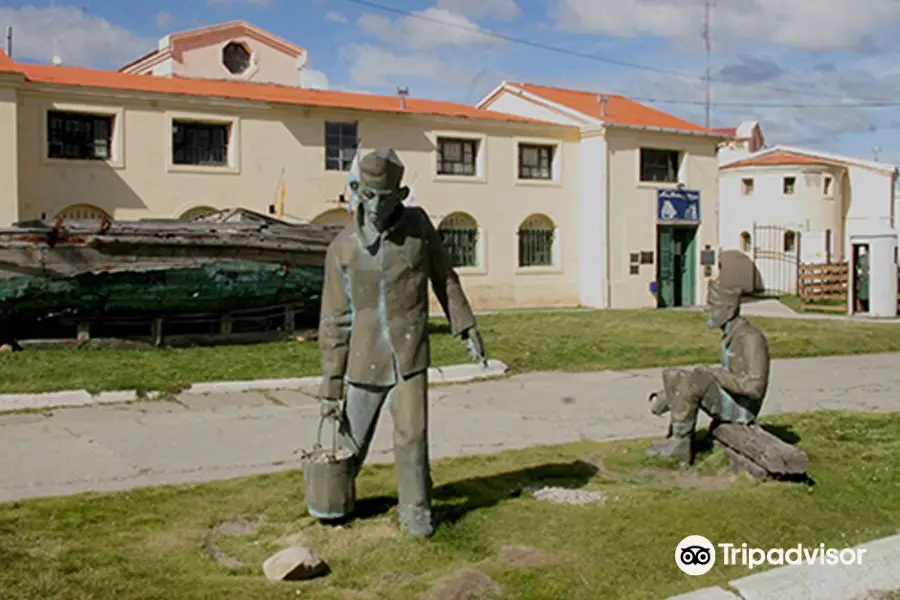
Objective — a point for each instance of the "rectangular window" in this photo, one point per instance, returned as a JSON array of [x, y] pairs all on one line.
[[456, 156], [203, 144], [660, 165], [747, 186], [790, 183], [78, 136], [535, 162], [827, 186], [341, 143]]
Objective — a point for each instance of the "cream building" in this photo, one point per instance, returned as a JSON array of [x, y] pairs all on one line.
[[647, 195], [537, 205]]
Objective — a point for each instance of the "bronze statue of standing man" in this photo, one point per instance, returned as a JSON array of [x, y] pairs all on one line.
[[373, 332], [730, 393]]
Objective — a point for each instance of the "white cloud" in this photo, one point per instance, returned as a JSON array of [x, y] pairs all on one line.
[[80, 39], [335, 16], [163, 20], [434, 27], [801, 24], [260, 2], [312, 79], [502, 10], [376, 67]]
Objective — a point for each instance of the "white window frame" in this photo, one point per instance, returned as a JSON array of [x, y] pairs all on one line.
[[556, 265], [556, 169], [233, 165], [116, 158], [784, 179], [481, 258], [745, 189], [480, 140], [679, 175]]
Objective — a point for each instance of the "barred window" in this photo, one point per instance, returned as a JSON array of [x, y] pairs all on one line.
[[77, 136], [536, 237], [459, 236], [195, 143], [535, 162]]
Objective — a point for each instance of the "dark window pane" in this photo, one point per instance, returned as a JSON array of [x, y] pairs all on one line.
[[78, 136]]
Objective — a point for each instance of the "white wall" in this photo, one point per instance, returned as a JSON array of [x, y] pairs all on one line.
[[510, 103], [871, 201]]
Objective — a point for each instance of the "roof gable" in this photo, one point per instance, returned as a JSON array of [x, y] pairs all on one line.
[[174, 44], [616, 111]]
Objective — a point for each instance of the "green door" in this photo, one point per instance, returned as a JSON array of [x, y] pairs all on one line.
[[686, 253], [676, 274], [665, 267]]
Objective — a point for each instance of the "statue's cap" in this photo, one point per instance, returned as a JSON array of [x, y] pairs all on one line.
[[719, 294], [381, 169]]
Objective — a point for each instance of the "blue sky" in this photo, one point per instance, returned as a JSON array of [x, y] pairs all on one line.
[[765, 52]]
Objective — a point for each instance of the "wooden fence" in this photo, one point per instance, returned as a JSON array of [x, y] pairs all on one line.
[[824, 286]]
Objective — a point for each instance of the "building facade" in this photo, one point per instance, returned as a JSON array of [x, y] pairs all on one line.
[[647, 199], [784, 205]]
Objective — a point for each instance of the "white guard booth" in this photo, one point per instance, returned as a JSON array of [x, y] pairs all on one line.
[[881, 240]]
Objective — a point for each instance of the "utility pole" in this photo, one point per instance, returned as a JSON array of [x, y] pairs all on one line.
[[876, 152], [9, 39], [707, 5]]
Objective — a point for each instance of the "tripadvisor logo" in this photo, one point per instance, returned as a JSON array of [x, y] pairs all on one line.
[[696, 555]]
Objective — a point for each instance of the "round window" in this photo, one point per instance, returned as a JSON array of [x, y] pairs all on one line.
[[236, 58]]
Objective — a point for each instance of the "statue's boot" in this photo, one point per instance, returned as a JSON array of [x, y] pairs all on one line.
[[678, 445], [416, 521]]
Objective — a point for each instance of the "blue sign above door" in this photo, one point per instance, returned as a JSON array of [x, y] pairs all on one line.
[[678, 206]]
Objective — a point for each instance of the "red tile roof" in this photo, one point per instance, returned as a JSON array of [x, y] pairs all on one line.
[[775, 159], [619, 109], [277, 94], [727, 131]]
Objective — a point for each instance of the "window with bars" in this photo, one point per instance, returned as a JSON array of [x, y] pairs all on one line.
[[341, 143], [78, 136], [457, 156], [535, 161], [195, 143], [536, 237], [660, 165], [459, 236]]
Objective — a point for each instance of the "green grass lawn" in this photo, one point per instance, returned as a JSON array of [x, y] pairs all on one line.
[[565, 341], [159, 543], [826, 306]]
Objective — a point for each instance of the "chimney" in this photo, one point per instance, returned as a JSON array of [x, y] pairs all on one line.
[[403, 93], [603, 101]]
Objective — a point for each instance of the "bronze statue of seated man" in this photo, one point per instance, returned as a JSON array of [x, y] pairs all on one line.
[[730, 393]]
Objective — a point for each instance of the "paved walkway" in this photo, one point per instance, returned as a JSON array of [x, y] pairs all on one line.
[[203, 437]]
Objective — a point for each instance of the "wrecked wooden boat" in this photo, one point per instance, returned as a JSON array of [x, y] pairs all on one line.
[[90, 274]]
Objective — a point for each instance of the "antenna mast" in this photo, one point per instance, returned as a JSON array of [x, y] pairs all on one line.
[[708, 4]]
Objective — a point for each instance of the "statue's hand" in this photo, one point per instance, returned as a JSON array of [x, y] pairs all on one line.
[[475, 344], [330, 408]]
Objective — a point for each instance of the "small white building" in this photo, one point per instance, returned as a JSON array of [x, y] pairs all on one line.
[[783, 204]]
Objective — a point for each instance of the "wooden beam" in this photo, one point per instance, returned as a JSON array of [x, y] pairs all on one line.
[[290, 313], [156, 332], [765, 450]]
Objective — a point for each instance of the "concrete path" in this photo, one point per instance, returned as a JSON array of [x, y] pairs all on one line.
[[203, 437]]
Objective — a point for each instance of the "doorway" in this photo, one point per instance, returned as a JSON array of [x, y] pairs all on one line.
[[676, 270], [860, 278]]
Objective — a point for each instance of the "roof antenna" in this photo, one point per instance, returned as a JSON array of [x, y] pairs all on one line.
[[603, 101], [403, 93], [56, 60]]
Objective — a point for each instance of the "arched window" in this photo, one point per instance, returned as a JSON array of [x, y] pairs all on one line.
[[83, 212], [536, 236], [790, 241], [335, 216], [459, 235], [197, 211], [745, 241]]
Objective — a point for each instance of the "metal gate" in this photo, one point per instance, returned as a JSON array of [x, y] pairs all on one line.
[[776, 256]]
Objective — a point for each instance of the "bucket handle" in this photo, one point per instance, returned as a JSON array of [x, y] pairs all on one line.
[[334, 435]]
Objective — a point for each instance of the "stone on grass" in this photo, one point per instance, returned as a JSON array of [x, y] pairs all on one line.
[[559, 495], [294, 564], [465, 584]]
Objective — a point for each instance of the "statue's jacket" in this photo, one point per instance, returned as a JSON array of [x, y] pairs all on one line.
[[374, 319], [744, 376]]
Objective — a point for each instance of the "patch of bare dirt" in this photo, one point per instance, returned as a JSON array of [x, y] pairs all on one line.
[[525, 556], [684, 478], [239, 527], [465, 584], [343, 539]]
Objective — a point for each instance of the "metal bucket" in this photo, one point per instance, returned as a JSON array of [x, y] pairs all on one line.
[[329, 480]]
